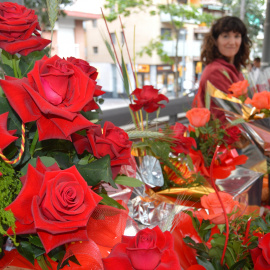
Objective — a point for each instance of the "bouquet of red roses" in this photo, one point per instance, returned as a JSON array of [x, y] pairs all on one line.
[[55, 162]]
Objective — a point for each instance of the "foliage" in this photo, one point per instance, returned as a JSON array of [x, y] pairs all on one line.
[[40, 7], [244, 232], [253, 16]]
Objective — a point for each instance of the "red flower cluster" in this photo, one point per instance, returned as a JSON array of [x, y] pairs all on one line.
[[148, 98], [19, 27], [149, 249], [55, 204]]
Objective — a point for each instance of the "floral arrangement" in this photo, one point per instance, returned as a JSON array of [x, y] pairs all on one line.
[[57, 163], [55, 157], [201, 236]]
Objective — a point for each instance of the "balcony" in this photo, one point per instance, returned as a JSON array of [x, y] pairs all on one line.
[[191, 48]]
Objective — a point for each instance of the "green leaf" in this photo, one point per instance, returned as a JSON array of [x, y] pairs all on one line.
[[96, 171], [197, 132], [218, 240], [128, 181], [7, 69], [206, 264], [25, 249], [207, 100], [42, 263], [109, 201], [14, 121], [221, 227], [47, 161], [35, 240], [27, 62], [237, 121], [108, 45], [125, 76], [238, 265]]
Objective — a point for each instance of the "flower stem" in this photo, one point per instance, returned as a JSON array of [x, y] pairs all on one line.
[[146, 119], [221, 203], [14, 67], [34, 143]]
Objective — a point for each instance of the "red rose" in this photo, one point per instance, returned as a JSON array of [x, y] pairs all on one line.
[[150, 249], [84, 66], [198, 162], [19, 27], [6, 135], [261, 254], [92, 74], [53, 95], [260, 100], [233, 135], [55, 204], [198, 117], [110, 140], [215, 211], [148, 98], [239, 88], [181, 144]]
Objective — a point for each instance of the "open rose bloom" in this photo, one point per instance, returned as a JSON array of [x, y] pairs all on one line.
[[53, 95], [56, 204], [150, 249], [20, 30], [212, 209]]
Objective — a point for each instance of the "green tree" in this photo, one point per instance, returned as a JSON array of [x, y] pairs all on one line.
[[179, 14], [254, 15], [40, 7]]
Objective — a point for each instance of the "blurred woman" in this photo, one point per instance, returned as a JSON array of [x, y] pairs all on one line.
[[225, 51]]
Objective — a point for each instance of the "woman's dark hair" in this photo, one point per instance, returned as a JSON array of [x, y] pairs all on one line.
[[226, 24]]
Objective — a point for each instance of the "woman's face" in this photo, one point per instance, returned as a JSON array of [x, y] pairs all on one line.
[[228, 44]]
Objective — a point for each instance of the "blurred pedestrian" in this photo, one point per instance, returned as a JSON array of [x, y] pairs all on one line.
[[225, 51], [256, 68]]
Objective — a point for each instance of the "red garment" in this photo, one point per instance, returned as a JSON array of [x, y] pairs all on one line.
[[213, 72]]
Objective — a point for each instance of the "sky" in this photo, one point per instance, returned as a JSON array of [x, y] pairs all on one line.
[[89, 6]]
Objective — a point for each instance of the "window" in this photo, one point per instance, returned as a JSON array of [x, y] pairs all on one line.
[[95, 50], [94, 23], [166, 33], [113, 38]]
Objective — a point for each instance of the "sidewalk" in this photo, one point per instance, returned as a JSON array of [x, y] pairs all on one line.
[[112, 103]]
